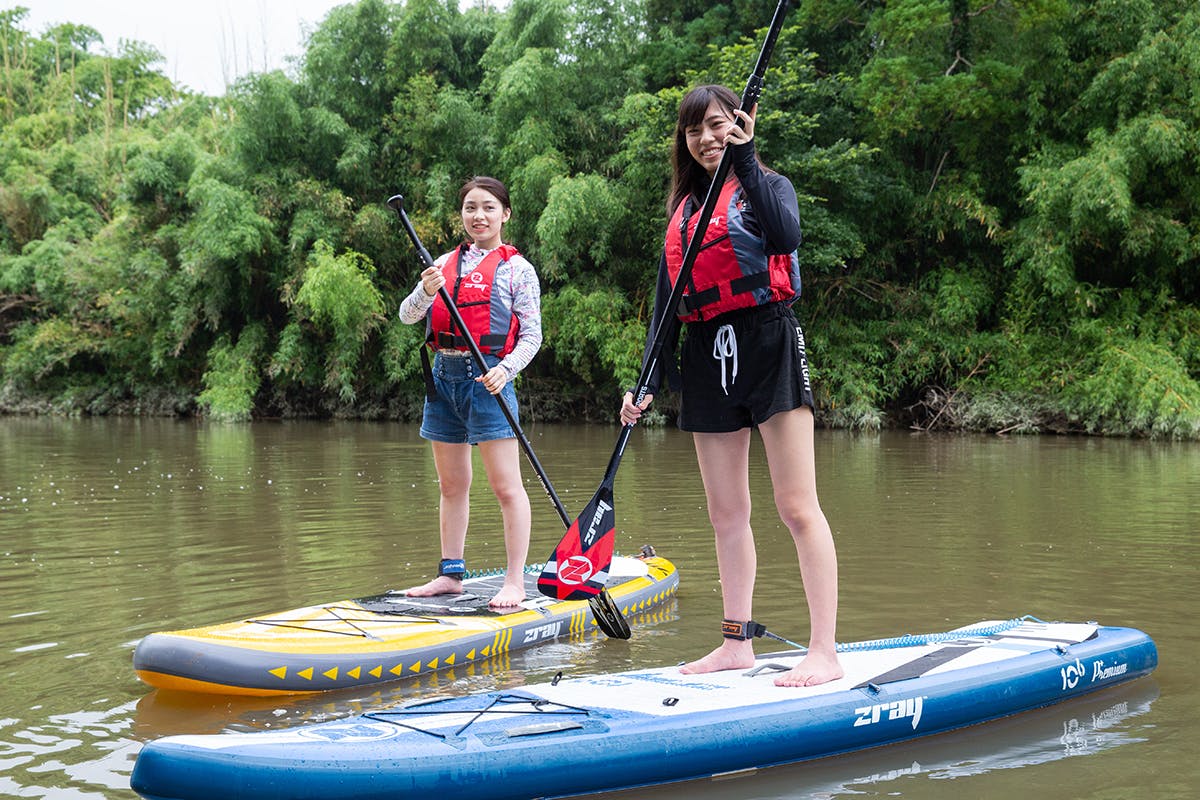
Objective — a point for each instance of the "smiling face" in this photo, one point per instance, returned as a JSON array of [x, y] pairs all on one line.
[[706, 138], [483, 216]]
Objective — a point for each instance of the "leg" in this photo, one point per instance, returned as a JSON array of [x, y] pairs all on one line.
[[502, 461], [453, 462], [788, 440], [724, 460]]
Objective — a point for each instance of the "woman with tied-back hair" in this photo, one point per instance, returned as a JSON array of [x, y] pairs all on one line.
[[497, 293]]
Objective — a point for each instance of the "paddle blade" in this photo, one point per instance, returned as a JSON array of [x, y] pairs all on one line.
[[578, 567], [608, 616]]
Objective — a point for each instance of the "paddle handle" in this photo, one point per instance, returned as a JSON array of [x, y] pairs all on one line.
[[396, 202]]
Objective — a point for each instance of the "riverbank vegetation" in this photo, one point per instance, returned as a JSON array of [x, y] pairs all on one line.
[[999, 200]]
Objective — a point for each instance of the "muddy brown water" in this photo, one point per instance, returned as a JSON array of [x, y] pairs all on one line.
[[112, 529]]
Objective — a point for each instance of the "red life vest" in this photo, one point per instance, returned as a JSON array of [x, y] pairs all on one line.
[[732, 269], [488, 314]]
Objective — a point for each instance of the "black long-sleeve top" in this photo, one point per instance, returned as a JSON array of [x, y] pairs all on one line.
[[771, 211]]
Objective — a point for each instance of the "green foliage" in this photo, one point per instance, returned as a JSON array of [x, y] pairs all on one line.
[[296, 361], [595, 341], [345, 66], [402, 353], [339, 299], [1135, 385], [234, 375], [998, 199], [48, 348], [268, 128], [576, 230]]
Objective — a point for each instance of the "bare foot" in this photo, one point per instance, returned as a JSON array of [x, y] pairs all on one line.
[[732, 654], [507, 597], [442, 584], [813, 670]]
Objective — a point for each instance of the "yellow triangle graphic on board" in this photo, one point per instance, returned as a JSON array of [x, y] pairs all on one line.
[[416, 667], [306, 673], [471, 655], [483, 652], [396, 670], [331, 674], [378, 671], [450, 660], [354, 673], [433, 664], [280, 673]]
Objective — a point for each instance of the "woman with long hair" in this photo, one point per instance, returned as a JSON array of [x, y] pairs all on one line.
[[742, 367]]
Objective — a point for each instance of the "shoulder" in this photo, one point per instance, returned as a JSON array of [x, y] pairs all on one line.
[[769, 188], [519, 262], [771, 179], [777, 180]]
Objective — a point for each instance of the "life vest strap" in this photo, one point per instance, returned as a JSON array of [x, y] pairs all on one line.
[[450, 341], [747, 283]]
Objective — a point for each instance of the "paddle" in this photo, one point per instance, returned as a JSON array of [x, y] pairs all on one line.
[[604, 609], [578, 567]]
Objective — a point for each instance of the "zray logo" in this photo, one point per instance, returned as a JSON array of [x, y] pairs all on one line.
[[900, 709], [575, 570], [547, 631], [602, 508], [475, 280], [803, 359]]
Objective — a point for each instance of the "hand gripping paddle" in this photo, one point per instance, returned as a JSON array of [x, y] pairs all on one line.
[[578, 567], [604, 609]]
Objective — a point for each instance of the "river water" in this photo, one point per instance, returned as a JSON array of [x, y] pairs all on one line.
[[111, 529]]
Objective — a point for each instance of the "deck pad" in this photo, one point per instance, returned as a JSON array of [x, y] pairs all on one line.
[[478, 592]]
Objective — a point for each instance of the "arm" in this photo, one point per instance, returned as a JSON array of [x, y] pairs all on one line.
[[416, 306], [773, 205], [666, 359], [527, 306]]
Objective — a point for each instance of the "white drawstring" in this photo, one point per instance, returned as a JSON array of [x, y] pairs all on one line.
[[725, 346]]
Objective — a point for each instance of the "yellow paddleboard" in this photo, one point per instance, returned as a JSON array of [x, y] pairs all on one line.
[[386, 637]]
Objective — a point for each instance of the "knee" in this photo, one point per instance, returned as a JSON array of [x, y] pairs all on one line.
[[728, 519], [454, 486], [510, 493], [800, 513]]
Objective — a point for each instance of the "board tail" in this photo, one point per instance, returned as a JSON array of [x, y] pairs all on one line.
[[578, 567]]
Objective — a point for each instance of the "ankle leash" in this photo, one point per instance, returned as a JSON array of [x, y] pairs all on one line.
[[455, 568]]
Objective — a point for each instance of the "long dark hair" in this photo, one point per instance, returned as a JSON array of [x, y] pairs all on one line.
[[688, 177], [489, 185]]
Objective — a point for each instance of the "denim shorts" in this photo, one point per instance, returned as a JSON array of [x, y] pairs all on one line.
[[464, 412]]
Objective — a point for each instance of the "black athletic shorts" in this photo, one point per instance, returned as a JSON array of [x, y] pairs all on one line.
[[740, 368]]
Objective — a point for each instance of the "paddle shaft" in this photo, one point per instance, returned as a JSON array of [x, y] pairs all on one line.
[[397, 203]]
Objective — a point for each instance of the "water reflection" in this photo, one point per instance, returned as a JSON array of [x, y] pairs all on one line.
[[112, 529], [1086, 727]]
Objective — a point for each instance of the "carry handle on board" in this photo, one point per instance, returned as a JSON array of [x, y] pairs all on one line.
[[608, 616], [578, 567]]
